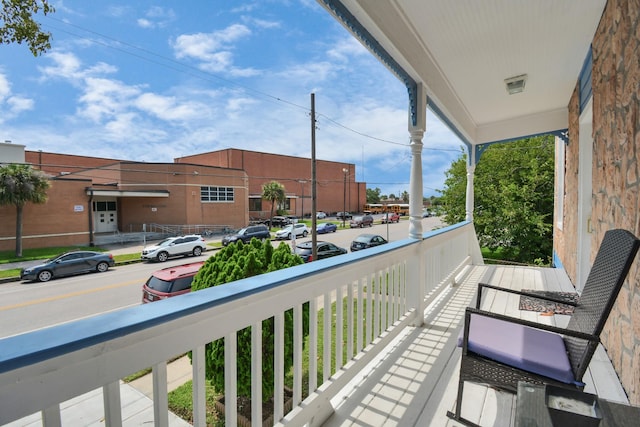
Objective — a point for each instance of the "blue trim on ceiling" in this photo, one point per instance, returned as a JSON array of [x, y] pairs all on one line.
[[586, 90], [350, 21], [560, 133]]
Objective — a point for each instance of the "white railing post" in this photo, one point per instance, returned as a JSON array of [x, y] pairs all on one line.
[[112, 405], [199, 374], [160, 397]]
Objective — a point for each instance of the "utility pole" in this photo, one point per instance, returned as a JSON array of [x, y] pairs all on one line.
[[314, 220]]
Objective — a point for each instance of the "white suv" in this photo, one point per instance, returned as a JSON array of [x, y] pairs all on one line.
[[174, 246], [300, 230]]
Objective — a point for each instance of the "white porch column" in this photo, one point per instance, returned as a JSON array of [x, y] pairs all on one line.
[[415, 181], [469, 205]]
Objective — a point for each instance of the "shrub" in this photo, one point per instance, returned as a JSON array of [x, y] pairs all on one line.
[[234, 262]]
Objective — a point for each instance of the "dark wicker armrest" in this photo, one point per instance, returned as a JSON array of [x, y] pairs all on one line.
[[513, 291], [562, 331]]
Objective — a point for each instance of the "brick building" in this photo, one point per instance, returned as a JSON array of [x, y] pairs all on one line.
[[91, 196], [337, 187]]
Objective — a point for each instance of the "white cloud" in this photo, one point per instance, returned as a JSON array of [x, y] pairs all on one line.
[[346, 48], [144, 23], [157, 17], [11, 105], [214, 50], [19, 104], [5, 87], [104, 98], [169, 108]]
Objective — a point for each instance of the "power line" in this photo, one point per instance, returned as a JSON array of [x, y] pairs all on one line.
[[205, 76]]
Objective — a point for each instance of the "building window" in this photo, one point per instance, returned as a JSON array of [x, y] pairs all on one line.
[[255, 205], [104, 206], [216, 194]]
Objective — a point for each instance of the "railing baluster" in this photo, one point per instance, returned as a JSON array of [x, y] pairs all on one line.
[[339, 326], [359, 317], [230, 380], [160, 398], [369, 319], [112, 405], [376, 288], [297, 355], [350, 321], [313, 345], [278, 383], [198, 373], [51, 416], [326, 351], [384, 289], [256, 374]]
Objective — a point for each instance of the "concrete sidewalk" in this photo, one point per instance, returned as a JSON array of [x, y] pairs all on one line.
[[135, 397]]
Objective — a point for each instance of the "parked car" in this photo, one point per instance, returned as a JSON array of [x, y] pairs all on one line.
[[260, 232], [321, 215], [365, 241], [286, 233], [279, 221], [344, 215], [390, 217], [170, 281], [67, 264], [192, 244], [324, 250], [292, 219], [326, 227], [361, 221]]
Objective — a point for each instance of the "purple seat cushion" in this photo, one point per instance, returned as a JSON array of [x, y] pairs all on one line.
[[529, 349]]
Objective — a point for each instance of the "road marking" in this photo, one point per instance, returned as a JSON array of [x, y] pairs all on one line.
[[69, 295]]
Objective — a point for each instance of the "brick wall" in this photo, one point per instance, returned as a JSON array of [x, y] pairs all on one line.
[[616, 174], [288, 170]]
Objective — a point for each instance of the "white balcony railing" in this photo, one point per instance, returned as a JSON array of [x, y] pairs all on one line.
[[388, 286]]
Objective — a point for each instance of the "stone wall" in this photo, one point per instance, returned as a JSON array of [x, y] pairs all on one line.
[[616, 182]]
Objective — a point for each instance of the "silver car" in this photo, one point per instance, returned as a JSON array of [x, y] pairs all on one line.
[[193, 244]]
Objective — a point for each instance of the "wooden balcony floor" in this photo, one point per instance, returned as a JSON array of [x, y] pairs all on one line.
[[414, 383]]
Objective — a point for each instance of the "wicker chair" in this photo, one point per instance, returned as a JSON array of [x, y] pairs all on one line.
[[500, 351]]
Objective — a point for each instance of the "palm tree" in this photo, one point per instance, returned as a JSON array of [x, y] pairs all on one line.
[[20, 184], [274, 192]]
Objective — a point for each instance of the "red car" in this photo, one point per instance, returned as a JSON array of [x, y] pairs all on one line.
[[390, 217], [170, 281]]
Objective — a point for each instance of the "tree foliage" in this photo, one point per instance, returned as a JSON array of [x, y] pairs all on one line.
[[513, 187], [19, 185], [373, 195], [234, 262], [18, 26], [274, 192]]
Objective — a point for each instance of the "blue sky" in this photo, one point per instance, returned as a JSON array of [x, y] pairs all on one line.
[[151, 81]]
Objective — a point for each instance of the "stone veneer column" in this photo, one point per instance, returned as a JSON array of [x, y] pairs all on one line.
[[616, 182]]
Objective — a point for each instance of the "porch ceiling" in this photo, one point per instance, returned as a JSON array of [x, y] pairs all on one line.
[[463, 51]]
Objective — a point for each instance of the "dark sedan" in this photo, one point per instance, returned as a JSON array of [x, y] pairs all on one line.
[[67, 264], [326, 227], [365, 241], [325, 250]]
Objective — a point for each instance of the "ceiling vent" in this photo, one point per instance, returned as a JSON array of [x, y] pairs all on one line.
[[515, 84]]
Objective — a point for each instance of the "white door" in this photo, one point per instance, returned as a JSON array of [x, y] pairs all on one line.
[[585, 165], [105, 216]]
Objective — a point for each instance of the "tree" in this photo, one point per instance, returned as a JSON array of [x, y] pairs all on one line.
[[18, 26], [405, 196], [235, 262], [274, 192], [373, 195], [19, 185], [513, 188]]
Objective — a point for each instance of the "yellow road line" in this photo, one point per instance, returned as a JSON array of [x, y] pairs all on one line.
[[69, 295]]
